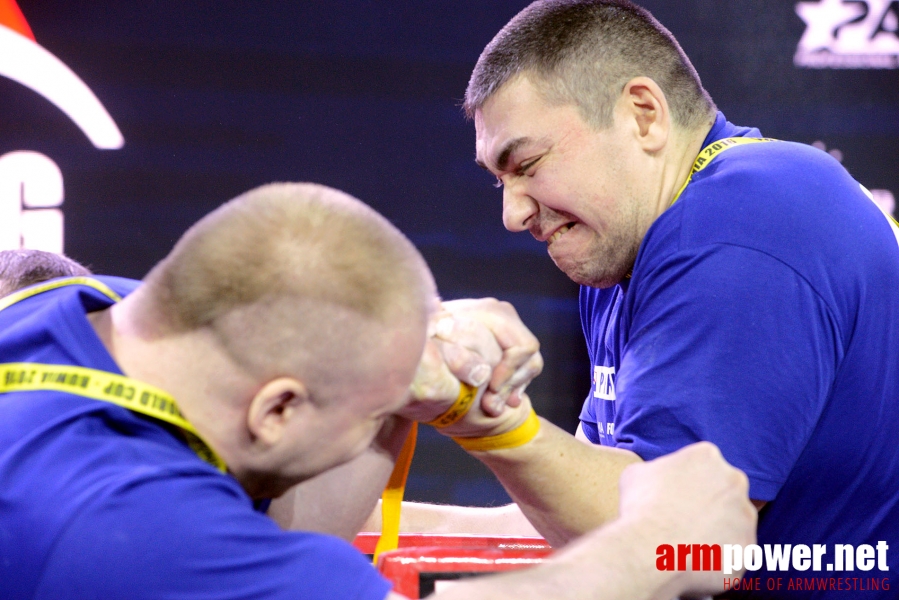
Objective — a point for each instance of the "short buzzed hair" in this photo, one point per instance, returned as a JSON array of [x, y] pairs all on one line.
[[24, 267], [284, 265], [584, 52]]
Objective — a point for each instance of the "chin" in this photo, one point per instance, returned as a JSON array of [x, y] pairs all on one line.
[[601, 265], [591, 276], [602, 283]]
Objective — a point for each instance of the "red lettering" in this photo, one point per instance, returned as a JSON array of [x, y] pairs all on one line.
[[683, 550], [706, 557], [665, 560]]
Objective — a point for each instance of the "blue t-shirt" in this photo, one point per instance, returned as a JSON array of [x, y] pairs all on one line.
[[99, 502], [763, 315]]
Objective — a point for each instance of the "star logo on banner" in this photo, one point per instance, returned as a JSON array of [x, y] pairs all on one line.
[[849, 34], [823, 19]]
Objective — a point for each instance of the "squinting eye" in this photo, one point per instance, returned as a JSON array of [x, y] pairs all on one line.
[[522, 170]]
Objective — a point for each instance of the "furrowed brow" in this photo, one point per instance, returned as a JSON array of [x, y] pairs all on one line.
[[502, 159]]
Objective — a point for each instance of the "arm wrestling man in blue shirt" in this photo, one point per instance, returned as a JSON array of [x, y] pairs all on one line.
[[279, 340], [734, 289]]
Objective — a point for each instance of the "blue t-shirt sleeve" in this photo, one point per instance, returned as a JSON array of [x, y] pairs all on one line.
[[729, 345], [198, 537]]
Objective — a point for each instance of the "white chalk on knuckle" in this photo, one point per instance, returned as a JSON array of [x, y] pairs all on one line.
[[479, 375], [445, 326]]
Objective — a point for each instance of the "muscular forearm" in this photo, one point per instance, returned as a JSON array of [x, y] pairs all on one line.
[[564, 487], [340, 500]]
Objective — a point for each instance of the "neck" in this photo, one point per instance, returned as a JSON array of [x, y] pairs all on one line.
[[685, 149], [189, 367]]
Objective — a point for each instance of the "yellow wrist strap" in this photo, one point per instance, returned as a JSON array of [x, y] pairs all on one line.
[[392, 498], [519, 436], [454, 413]]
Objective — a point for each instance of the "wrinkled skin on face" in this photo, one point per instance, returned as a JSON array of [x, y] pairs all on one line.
[[578, 188]]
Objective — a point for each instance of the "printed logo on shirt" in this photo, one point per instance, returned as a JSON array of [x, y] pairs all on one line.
[[604, 382], [849, 34], [605, 430]]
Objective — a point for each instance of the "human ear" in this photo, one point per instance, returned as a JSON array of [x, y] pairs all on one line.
[[645, 105], [274, 407]]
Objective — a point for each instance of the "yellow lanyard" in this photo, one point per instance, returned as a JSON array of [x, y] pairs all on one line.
[[707, 154], [122, 391]]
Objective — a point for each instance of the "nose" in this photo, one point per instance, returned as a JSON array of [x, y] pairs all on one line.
[[518, 207]]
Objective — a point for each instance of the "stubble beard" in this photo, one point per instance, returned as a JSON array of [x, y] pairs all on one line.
[[609, 257], [604, 263]]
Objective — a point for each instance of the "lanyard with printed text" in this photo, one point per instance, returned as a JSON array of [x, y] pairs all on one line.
[[707, 154], [116, 389]]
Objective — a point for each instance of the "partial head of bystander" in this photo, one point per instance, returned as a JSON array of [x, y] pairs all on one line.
[[22, 268]]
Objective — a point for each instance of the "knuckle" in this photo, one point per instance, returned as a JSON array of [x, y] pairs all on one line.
[[704, 447], [752, 517], [505, 307], [517, 356], [488, 303], [741, 481], [707, 450], [458, 359], [519, 379], [531, 344], [455, 361]]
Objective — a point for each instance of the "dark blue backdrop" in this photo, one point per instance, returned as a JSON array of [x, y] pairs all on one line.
[[214, 97]]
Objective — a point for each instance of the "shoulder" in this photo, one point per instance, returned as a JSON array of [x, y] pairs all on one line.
[[784, 199], [75, 453], [773, 181], [161, 534], [40, 306], [759, 165]]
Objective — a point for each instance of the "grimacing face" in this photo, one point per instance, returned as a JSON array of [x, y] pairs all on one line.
[[573, 186]]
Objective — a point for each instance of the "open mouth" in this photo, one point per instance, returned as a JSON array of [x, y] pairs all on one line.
[[559, 233]]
